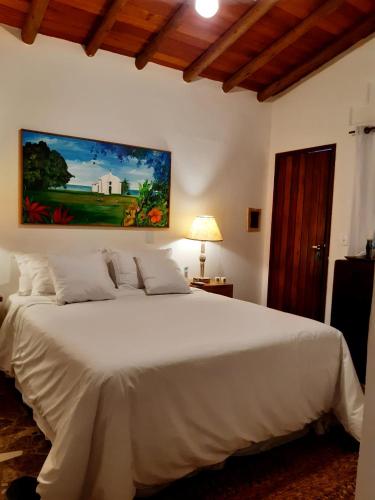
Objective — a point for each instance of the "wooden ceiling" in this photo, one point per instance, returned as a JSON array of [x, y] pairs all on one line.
[[261, 45]]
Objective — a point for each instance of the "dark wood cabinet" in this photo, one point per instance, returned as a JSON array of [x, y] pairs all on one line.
[[351, 307]]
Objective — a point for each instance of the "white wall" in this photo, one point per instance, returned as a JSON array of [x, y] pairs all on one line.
[[219, 147], [315, 113]]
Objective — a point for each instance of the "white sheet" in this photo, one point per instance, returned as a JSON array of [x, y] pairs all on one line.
[[145, 389]]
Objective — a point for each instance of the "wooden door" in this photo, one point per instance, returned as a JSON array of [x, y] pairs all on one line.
[[301, 223]]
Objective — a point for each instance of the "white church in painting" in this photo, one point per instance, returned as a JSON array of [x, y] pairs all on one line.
[[107, 184]]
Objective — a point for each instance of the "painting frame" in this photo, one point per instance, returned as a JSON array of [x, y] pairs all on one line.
[[254, 218], [160, 215]]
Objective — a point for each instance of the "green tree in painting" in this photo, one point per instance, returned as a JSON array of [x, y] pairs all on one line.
[[43, 168], [125, 187]]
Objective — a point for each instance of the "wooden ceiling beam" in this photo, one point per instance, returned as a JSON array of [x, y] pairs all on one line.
[[34, 20], [281, 44], [153, 45], [239, 28], [350, 38], [107, 22]]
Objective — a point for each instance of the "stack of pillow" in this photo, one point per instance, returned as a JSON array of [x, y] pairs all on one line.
[[85, 278]]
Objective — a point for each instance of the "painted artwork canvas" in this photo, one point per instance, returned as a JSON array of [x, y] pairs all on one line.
[[73, 181]]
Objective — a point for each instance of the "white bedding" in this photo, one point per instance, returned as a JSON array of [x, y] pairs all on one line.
[[143, 390]]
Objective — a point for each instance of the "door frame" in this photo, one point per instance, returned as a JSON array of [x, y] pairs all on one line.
[[327, 235]]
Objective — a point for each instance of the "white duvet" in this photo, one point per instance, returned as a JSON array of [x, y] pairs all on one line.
[[143, 390]]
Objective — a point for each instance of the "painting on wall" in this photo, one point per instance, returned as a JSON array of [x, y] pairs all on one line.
[[73, 181]]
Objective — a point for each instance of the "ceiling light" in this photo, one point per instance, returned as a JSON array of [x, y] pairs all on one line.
[[207, 8]]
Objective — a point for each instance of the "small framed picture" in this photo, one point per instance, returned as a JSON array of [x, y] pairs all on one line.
[[253, 219]]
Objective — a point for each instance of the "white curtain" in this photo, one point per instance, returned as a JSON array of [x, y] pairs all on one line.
[[363, 207]]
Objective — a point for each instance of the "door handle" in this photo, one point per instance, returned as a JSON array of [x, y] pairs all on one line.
[[318, 249]]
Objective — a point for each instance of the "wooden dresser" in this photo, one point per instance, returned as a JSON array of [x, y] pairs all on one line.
[[351, 307]]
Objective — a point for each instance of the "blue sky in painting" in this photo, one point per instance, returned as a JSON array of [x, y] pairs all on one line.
[[86, 162]]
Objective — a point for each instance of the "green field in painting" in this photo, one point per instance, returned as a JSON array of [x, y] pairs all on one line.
[[87, 208]]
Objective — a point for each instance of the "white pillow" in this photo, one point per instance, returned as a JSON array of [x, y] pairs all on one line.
[[81, 278], [35, 277], [40, 275], [25, 282], [125, 268], [161, 274]]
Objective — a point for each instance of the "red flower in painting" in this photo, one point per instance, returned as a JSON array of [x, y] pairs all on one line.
[[35, 211], [61, 216], [155, 215]]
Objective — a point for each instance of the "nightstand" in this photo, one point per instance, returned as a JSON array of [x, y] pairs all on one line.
[[225, 289]]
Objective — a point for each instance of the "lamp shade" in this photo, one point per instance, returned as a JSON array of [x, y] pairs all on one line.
[[205, 228]]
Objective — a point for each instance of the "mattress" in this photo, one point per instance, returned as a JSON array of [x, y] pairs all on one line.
[[142, 390]]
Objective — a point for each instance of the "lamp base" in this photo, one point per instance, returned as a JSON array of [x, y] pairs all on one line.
[[201, 280]]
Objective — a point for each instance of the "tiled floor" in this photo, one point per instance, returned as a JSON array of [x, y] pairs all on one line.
[[18, 432]]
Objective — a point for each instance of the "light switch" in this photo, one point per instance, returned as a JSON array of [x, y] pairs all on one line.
[[344, 241]]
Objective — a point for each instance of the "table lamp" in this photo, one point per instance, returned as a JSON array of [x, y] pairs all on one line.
[[204, 228]]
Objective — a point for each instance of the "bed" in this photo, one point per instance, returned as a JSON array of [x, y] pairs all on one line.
[[142, 390]]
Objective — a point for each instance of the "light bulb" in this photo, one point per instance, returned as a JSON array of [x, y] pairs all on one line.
[[207, 8]]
